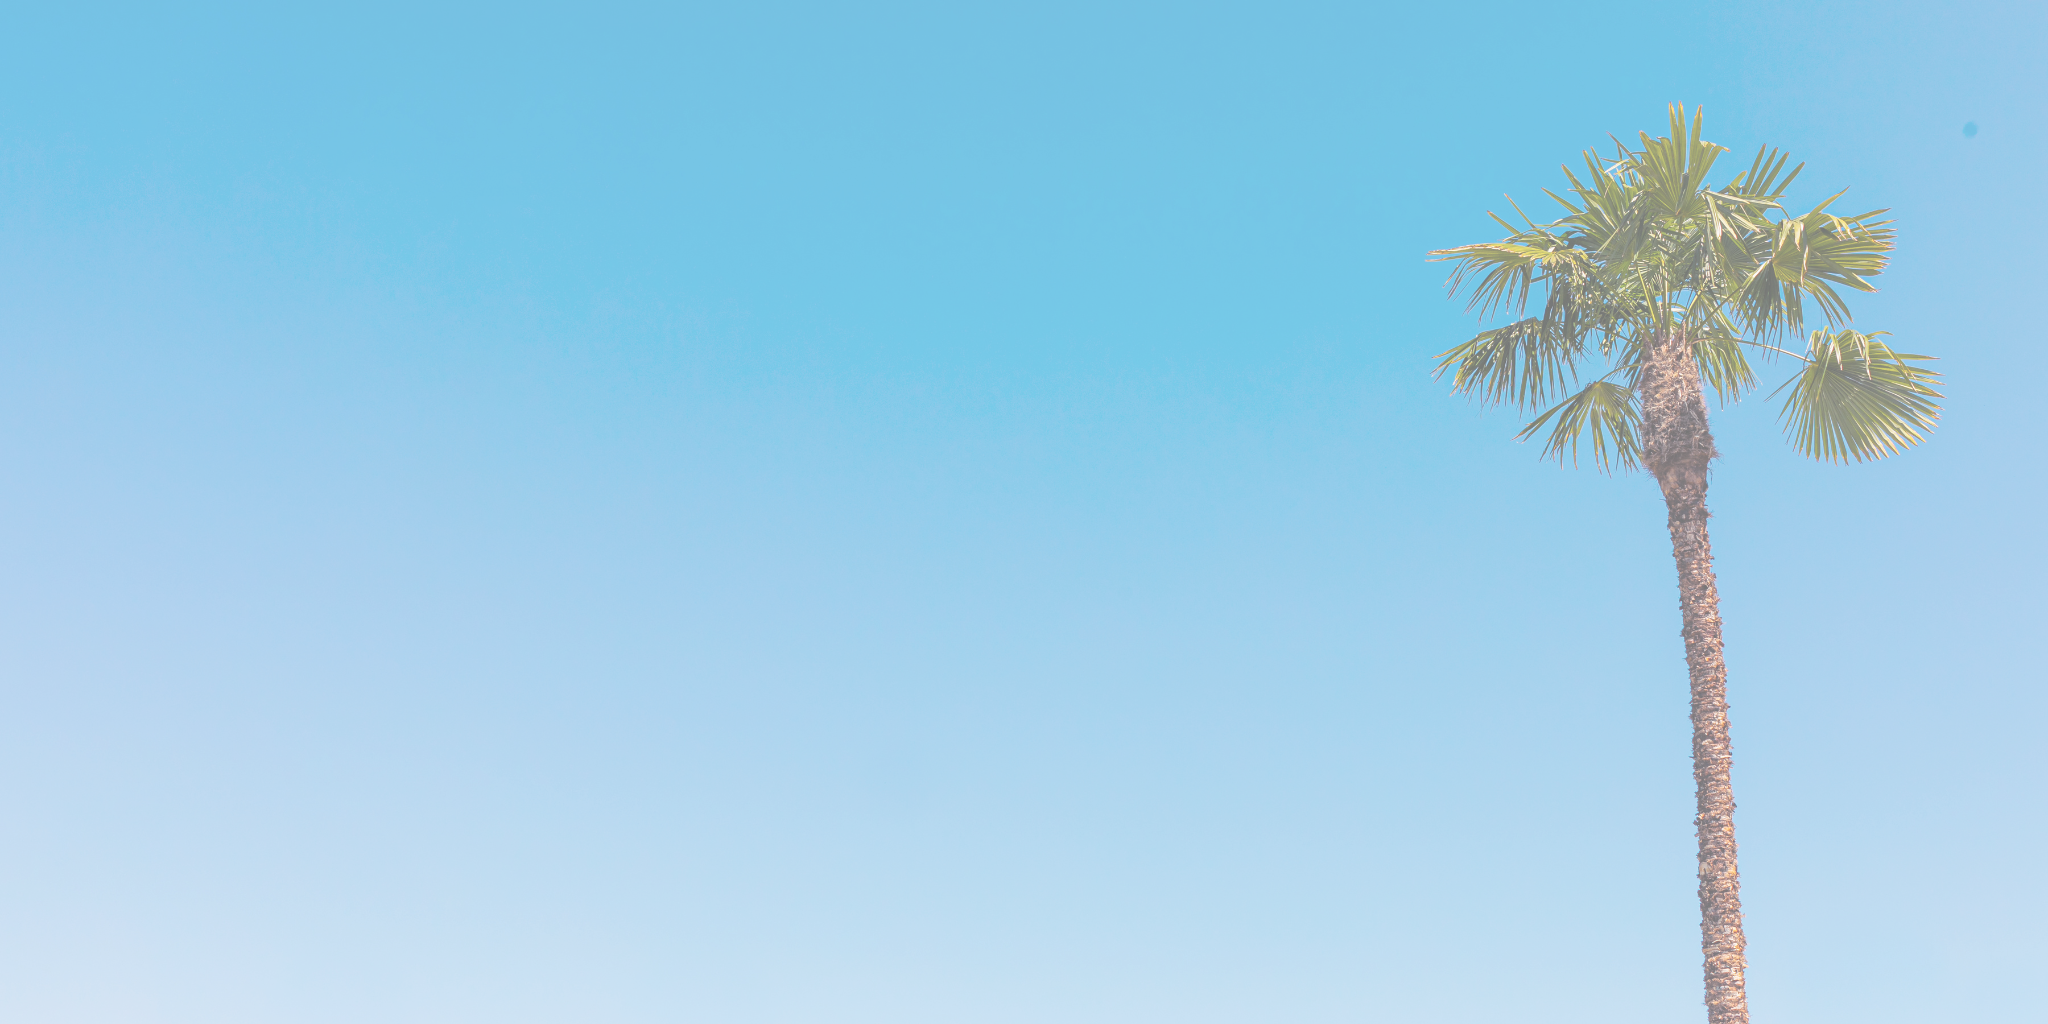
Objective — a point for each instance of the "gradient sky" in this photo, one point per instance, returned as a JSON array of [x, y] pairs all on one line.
[[773, 514]]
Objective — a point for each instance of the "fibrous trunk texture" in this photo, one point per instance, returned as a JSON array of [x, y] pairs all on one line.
[[1677, 448]]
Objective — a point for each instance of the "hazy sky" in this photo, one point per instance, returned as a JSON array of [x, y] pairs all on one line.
[[938, 514]]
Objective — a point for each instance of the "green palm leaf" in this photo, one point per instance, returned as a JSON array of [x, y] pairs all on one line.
[[1724, 367], [1603, 415], [1858, 398], [1520, 363]]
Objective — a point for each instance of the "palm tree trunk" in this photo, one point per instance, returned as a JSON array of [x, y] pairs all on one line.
[[1677, 448]]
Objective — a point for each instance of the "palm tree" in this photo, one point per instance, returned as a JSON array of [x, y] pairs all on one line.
[[1654, 287]]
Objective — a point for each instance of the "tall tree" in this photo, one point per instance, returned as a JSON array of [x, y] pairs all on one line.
[[1653, 288]]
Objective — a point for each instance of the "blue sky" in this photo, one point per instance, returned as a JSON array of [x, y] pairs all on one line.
[[915, 514]]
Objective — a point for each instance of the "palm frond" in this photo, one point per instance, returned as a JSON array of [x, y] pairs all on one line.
[[1674, 168], [1858, 398], [1724, 367], [1604, 416], [1761, 181], [1520, 364], [1613, 222], [1506, 269], [1806, 257]]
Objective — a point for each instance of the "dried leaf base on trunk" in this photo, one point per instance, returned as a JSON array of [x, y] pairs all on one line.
[[1677, 449]]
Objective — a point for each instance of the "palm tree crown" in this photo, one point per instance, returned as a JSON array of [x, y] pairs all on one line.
[[1648, 248]]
